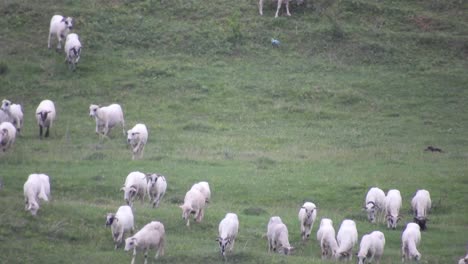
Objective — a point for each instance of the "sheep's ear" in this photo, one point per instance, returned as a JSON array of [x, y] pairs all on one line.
[[218, 239], [122, 189], [63, 19]]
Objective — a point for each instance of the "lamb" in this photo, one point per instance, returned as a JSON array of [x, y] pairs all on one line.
[[392, 208], [421, 204], [72, 50], [277, 234], [59, 26], [279, 3], [7, 135], [307, 215], [194, 203], [107, 117], [134, 187], [371, 248], [228, 229], [375, 203], [410, 239], [326, 238], [137, 138], [14, 112], [36, 187], [204, 188], [347, 237], [151, 236], [120, 223], [45, 116], [156, 188]]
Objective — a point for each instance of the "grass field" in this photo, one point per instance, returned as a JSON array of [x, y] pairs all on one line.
[[349, 100]]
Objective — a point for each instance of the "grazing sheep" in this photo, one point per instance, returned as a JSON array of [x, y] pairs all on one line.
[[307, 215], [392, 208], [107, 117], [120, 223], [326, 238], [59, 26], [421, 204], [137, 138], [151, 236], [7, 135], [134, 187], [371, 248], [36, 187], [375, 203], [277, 234], [72, 50], [204, 188], [15, 113], [45, 116], [279, 3], [194, 203], [347, 237], [157, 186], [409, 241], [228, 229]]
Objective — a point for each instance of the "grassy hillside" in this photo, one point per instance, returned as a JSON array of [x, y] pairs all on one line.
[[349, 100]]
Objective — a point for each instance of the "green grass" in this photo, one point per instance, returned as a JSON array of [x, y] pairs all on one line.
[[354, 94]]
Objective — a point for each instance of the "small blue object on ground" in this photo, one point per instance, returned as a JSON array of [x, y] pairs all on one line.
[[275, 42]]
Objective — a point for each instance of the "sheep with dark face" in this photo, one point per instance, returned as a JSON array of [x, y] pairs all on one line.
[[121, 222], [45, 116], [307, 215], [59, 26], [228, 229], [421, 204], [157, 186], [14, 113], [72, 50]]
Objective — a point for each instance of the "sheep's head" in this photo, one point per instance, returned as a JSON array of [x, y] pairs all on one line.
[[110, 219], [286, 250], [361, 259], [5, 105], [371, 208], [132, 136], [129, 194], [130, 243], [33, 207], [421, 221], [3, 135], [392, 221], [152, 179], [68, 22], [93, 109], [223, 242], [186, 211]]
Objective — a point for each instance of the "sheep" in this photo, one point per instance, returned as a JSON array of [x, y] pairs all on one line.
[[421, 204], [279, 3], [228, 229], [107, 117], [307, 215], [7, 135], [375, 203], [137, 138], [194, 203], [45, 116], [120, 223], [15, 113], [156, 188], [463, 260], [59, 26], [36, 187], [204, 188], [326, 238], [277, 234], [371, 248], [134, 187], [347, 237], [72, 50], [151, 236], [410, 239], [392, 208]]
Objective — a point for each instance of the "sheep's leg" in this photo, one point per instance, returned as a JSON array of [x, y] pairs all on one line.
[[287, 8], [260, 7], [278, 8], [146, 255], [59, 44], [48, 40], [134, 255], [141, 150], [123, 126], [47, 132], [232, 244], [188, 221]]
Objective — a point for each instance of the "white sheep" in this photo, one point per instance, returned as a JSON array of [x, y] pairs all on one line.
[[463, 260], [194, 203], [347, 237], [7, 135], [228, 229], [326, 238], [392, 208], [151, 236], [36, 187], [72, 50], [107, 117], [204, 188], [277, 234], [307, 215], [279, 3], [121, 222], [421, 204], [137, 138], [156, 188], [59, 26], [410, 239], [134, 187], [15, 113], [45, 116], [371, 248], [375, 203]]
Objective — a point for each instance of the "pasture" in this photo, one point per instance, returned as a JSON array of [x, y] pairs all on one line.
[[349, 100]]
